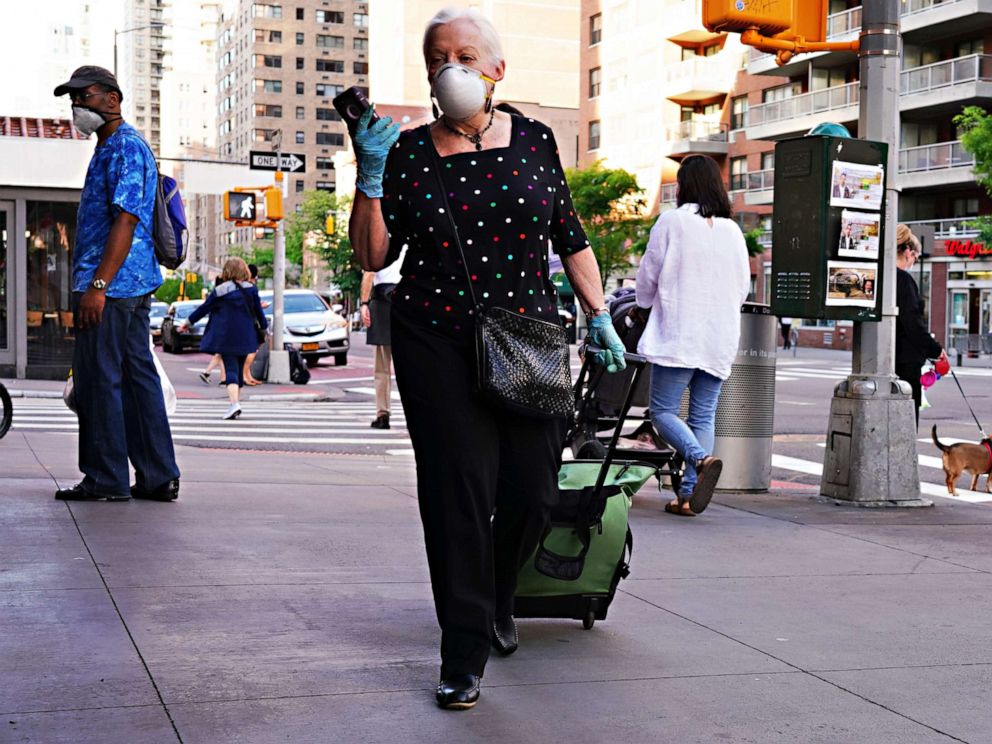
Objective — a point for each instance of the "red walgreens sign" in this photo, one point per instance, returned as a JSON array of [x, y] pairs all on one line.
[[968, 249]]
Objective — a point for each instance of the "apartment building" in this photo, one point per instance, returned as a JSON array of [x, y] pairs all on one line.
[[944, 69], [140, 52]]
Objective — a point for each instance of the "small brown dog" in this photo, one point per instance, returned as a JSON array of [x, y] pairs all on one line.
[[957, 458]]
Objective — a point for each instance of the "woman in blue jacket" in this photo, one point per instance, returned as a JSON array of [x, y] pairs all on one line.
[[235, 314]]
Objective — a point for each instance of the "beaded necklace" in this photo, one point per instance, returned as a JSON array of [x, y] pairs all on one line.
[[475, 139]]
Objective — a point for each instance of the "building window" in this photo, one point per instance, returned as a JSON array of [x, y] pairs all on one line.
[[360, 68], [265, 36], [299, 14], [299, 185], [329, 91], [738, 174], [324, 41], [594, 135], [268, 60], [263, 135], [325, 164], [595, 29], [260, 10], [360, 45], [299, 63], [268, 109], [325, 186], [361, 20], [300, 112], [299, 89], [781, 92], [768, 162], [268, 86], [300, 38], [328, 114], [738, 112], [964, 207], [330, 16], [330, 65], [330, 138], [595, 81], [300, 138]]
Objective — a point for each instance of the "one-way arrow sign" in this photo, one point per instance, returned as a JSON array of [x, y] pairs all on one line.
[[291, 162]]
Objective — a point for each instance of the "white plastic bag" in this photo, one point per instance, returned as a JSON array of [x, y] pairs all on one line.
[[168, 391], [69, 393]]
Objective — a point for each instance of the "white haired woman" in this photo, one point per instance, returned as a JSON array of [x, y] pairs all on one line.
[[486, 476]]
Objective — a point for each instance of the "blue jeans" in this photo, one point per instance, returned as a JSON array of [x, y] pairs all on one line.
[[693, 439], [119, 402]]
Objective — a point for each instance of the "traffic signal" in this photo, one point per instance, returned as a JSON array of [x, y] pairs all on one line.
[[809, 20], [329, 224], [273, 204], [767, 16], [239, 206]]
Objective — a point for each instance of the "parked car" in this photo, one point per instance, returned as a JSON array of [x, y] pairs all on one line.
[[172, 340], [311, 326], [155, 317]]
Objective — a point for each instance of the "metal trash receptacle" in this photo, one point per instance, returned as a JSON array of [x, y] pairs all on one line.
[[745, 415]]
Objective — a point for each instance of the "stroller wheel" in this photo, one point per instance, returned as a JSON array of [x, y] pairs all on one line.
[[592, 449]]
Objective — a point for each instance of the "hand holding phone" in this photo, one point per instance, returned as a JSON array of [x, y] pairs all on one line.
[[351, 105]]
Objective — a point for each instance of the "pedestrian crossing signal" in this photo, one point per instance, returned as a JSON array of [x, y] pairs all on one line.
[[239, 206], [768, 16]]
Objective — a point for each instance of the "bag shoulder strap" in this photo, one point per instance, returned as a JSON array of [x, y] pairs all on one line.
[[244, 298]]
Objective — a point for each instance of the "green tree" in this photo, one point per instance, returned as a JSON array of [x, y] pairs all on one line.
[[975, 125], [611, 206], [309, 227], [752, 238]]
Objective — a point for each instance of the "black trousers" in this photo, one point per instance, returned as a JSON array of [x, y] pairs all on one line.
[[911, 374], [486, 480]]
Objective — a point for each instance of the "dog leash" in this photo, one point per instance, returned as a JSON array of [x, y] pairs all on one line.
[[977, 422]]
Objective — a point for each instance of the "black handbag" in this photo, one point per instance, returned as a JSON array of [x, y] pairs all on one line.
[[260, 332], [522, 362]]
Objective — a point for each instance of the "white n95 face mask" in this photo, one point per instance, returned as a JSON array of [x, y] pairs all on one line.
[[461, 92], [86, 121]]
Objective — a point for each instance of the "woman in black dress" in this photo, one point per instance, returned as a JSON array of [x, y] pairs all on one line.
[[486, 477]]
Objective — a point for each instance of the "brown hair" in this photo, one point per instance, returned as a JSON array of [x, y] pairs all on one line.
[[235, 269]]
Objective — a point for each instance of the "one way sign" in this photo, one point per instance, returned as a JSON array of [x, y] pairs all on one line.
[[266, 161]]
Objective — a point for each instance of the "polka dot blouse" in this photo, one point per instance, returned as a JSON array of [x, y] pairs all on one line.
[[508, 203]]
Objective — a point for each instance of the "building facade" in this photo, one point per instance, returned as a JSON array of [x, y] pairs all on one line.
[[139, 61]]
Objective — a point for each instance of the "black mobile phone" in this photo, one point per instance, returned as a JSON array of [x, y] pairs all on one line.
[[351, 105]]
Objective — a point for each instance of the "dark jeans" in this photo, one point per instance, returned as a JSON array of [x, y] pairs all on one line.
[[473, 461], [119, 401], [234, 369], [911, 374]]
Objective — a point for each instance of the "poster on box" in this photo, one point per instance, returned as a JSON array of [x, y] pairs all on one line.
[[857, 185], [859, 232], [851, 284]]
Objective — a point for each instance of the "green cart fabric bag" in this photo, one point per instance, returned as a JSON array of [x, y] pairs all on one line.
[[575, 570]]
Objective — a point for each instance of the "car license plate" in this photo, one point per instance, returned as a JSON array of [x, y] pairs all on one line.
[[311, 347]]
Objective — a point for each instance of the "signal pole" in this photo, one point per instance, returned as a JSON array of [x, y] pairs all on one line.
[[279, 357], [871, 439]]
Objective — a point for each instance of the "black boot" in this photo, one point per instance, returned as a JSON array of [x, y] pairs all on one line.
[[505, 638], [381, 421], [78, 493], [458, 692]]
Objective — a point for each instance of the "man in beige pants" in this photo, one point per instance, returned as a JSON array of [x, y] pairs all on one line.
[[376, 295]]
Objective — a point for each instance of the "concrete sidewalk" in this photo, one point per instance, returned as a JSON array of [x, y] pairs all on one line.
[[284, 598]]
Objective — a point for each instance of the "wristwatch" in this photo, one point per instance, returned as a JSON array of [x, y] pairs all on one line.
[[364, 302], [98, 284]]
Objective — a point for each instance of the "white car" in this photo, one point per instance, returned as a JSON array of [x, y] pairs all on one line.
[[311, 326]]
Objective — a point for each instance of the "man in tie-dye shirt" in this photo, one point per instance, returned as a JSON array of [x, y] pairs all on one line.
[[114, 273]]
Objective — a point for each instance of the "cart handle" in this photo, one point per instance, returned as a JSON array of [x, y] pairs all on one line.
[[629, 357]]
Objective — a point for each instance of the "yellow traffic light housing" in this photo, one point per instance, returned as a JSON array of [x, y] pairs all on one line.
[[273, 204], [329, 224], [768, 16]]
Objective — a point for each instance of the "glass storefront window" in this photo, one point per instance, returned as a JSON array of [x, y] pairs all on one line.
[[51, 234]]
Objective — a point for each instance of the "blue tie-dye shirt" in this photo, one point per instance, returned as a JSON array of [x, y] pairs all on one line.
[[122, 177]]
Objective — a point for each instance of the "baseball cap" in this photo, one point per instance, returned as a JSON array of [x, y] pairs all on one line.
[[88, 75]]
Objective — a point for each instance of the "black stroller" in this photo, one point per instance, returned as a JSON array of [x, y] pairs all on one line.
[[599, 398]]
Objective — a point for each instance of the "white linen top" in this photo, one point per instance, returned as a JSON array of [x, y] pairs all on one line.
[[694, 276]]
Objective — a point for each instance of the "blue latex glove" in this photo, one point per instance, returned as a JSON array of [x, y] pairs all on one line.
[[372, 145], [604, 335]]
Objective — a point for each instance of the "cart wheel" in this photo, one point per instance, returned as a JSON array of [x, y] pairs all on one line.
[[589, 620], [591, 450]]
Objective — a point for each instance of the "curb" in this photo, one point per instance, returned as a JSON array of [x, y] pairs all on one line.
[[35, 393]]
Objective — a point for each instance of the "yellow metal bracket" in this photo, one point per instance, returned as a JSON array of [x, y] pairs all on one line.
[[785, 49]]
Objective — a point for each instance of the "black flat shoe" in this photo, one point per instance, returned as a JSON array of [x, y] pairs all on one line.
[[78, 493], [505, 638], [459, 692], [168, 491], [381, 421]]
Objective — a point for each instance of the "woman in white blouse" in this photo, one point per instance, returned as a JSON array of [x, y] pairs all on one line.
[[694, 277]]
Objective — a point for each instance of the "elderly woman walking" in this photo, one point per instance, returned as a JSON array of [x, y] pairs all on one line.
[[486, 475], [694, 277]]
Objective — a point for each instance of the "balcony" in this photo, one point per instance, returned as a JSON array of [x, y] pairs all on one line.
[[949, 229], [777, 119], [702, 78], [942, 164], [949, 84], [758, 187], [695, 138]]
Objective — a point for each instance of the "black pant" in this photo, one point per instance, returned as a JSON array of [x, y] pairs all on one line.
[[786, 336], [911, 374], [234, 368], [474, 461]]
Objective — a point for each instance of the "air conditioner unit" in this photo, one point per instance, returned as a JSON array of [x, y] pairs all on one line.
[[361, 55]]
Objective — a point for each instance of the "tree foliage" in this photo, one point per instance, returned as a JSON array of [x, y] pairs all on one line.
[[308, 227], [975, 125], [752, 239], [611, 206]]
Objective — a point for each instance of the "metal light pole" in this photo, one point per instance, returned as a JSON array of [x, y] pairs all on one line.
[[279, 357], [127, 31], [871, 441]]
